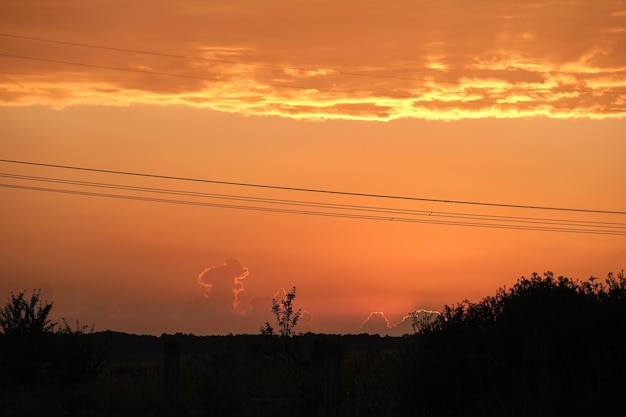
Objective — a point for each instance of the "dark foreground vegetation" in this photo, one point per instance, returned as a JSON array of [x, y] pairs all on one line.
[[547, 346]]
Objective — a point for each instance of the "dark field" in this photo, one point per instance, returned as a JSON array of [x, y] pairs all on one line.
[[245, 375]]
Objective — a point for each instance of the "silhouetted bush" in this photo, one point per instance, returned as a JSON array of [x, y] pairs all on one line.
[[26, 340], [547, 346], [34, 352], [75, 358]]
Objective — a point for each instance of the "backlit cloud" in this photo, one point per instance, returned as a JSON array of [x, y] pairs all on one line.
[[223, 283], [226, 307], [323, 60], [377, 323]]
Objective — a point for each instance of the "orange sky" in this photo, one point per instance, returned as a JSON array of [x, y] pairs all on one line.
[[518, 104]]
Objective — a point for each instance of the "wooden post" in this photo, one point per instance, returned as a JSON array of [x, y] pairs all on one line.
[[171, 369], [332, 380]]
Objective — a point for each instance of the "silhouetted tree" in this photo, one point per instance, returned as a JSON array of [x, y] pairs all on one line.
[[21, 316], [33, 352], [76, 359], [283, 344], [286, 318], [267, 329], [546, 346], [421, 319], [26, 339]]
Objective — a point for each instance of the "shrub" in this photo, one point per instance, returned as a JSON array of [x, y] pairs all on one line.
[[546, 346], [33, 352]]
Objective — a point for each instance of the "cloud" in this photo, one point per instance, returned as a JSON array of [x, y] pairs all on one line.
[[377, 323], [226, 307], [224, 283], [403, 327], [416, 320], [451, 59]]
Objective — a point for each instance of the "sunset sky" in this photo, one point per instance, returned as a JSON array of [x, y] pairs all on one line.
[[172, 166]]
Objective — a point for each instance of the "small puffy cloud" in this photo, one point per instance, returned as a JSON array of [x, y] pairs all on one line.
[[224, 283], [413, 322], [404, 326], [226, 307], [421, 318], [375, 323]]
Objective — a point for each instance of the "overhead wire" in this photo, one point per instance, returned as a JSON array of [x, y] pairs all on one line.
[[308, 207], [466, 216], [311, 190], [321, 213], [301, 203]]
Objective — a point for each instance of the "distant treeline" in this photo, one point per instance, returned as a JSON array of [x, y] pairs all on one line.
[[547, 346], [124, 346]]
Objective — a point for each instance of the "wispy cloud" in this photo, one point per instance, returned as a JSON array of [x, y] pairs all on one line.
[[320, 60]]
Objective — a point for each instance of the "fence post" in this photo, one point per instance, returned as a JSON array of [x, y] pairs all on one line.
[[171, 369], [332, 380]]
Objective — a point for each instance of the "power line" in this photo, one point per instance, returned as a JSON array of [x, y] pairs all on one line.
[[282, 67], [345, 207], [313, 190], [318, 213]]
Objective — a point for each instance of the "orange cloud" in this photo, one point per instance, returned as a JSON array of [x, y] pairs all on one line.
[[377, 323], [224, 283], [322, 60]]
